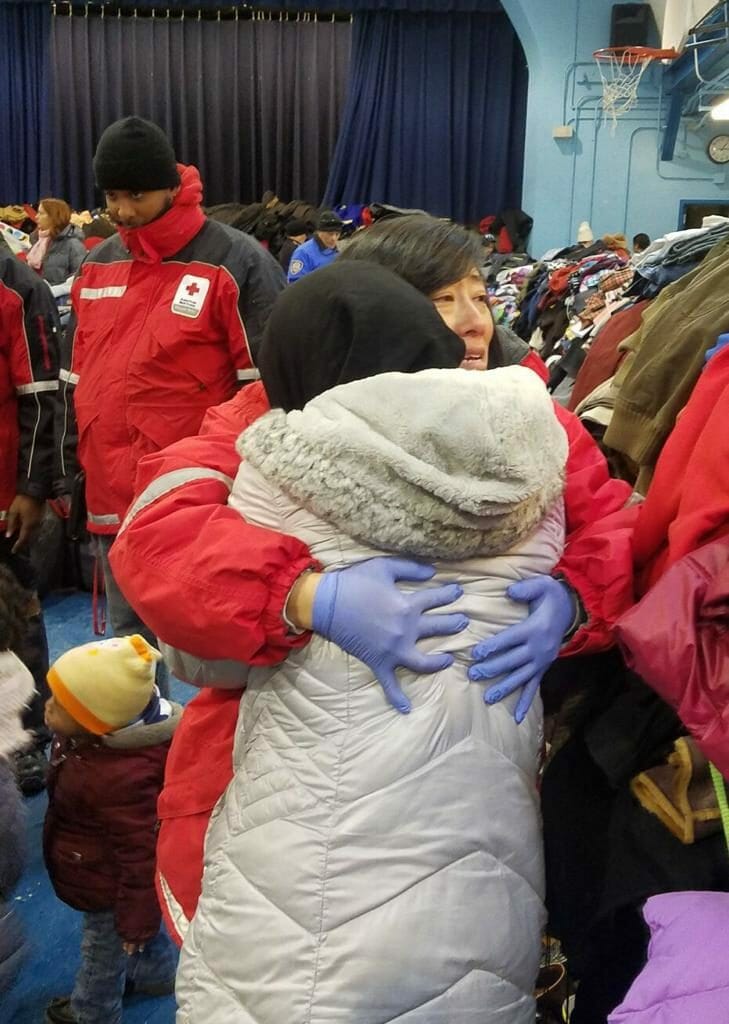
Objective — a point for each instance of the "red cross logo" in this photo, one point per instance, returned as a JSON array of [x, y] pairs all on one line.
[[192, 289]]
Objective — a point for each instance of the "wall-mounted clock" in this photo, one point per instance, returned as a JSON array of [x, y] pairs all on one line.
[[718, 149]]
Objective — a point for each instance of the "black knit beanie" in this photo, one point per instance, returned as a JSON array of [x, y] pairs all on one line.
[[135, 155]]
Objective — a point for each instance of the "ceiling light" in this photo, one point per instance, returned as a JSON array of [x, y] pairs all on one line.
[[720, 110]]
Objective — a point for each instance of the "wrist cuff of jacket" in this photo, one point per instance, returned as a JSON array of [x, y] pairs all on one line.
[[580, 617], [29, 489], [290, 627], [62, 488]]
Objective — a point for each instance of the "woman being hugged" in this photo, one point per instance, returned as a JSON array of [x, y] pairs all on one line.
[[388, 864]]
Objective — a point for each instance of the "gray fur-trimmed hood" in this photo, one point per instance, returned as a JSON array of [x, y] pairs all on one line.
[[437, 464]]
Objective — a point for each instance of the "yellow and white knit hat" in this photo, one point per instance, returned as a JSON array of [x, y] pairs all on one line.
[[106, 684]]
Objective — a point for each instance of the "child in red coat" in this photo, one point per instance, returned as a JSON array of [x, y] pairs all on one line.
[[111, 737]]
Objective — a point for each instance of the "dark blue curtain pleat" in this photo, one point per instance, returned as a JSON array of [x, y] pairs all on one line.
[[298, 6], [254, 104], [24, 77], [435, 116]]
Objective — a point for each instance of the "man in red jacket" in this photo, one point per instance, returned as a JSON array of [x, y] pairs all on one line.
[[28, 384], [167, 316]]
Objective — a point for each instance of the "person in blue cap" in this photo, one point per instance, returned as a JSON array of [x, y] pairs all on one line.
[[321, 248]]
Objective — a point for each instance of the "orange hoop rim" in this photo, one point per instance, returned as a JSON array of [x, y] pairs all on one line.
[[635, 54]]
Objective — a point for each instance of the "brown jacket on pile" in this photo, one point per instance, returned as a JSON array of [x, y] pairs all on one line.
[[666, 356], [606, 352]]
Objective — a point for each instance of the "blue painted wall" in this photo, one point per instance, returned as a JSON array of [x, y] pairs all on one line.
[[613, 180]]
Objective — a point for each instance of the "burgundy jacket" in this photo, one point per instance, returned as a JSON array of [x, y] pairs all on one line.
[[100, 831], [677, 639]]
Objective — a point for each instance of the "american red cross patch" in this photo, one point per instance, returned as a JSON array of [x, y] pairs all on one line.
[[190, 296]]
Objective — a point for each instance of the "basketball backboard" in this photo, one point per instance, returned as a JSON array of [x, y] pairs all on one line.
[[674, 18]]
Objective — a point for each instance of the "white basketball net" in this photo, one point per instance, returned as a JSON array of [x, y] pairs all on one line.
[[621, 74]]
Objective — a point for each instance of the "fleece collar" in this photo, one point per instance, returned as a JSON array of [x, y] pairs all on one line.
[[171, 232], [145, 735]]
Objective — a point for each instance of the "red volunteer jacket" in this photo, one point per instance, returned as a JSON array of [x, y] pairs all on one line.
[[165, 320], [28, 382], [235, 578]]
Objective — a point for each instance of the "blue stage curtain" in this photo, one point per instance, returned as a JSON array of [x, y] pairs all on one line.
[[436, 114], [340, 6], [254, 103], [24, 80]]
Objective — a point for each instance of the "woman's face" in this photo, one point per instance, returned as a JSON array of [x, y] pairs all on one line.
[[464, 307], [44, 221]]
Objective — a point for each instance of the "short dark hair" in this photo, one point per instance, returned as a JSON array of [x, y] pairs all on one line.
[[427, 252], [641, 241]]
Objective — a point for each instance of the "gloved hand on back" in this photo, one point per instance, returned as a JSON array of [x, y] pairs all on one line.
[[522, 653], [361, 609]]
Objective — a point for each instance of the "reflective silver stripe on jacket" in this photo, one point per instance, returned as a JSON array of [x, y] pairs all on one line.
[[220, 673], [170, 482], [108, 520], [112, 291], [42, 385], [174, 907], [70, 378], [251, 374]]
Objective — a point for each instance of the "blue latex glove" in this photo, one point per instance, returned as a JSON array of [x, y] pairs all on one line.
[[362, 611], [721, 341], [524, 652]]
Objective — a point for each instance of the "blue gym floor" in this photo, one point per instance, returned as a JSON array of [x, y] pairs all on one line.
[[52, 927]]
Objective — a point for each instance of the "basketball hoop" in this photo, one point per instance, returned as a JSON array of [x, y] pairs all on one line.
[[621, 70]]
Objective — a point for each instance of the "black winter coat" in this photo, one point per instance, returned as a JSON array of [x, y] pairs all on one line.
[[64, 256]]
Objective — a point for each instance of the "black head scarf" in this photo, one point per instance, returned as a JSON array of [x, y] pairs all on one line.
[[345, 322]]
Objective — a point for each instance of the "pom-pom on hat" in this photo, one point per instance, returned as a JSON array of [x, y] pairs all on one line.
[[106, 684], [134, 155]]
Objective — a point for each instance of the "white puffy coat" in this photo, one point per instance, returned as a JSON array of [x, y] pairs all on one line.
[[364, 866], [368, 867]]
